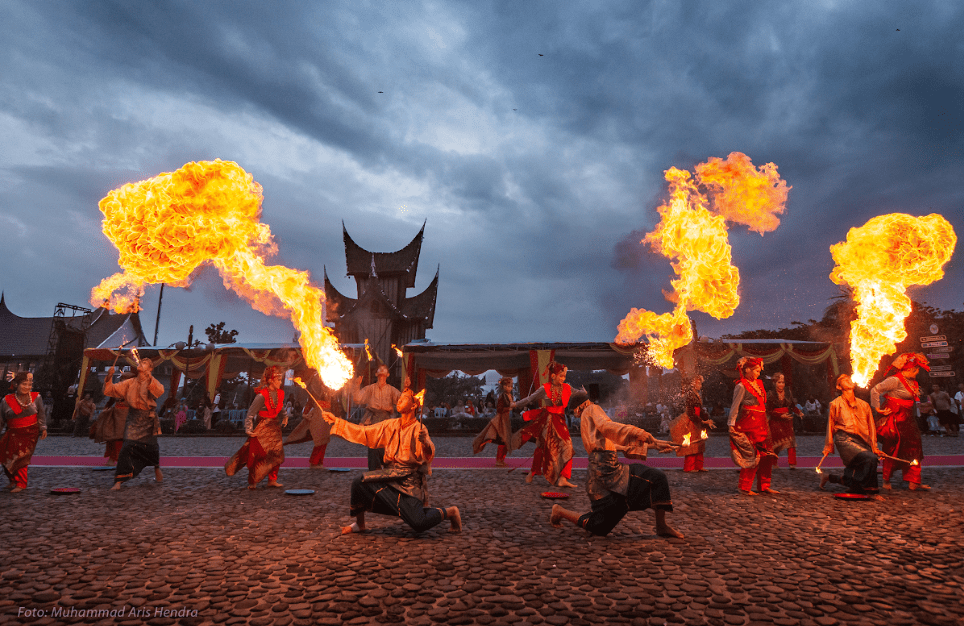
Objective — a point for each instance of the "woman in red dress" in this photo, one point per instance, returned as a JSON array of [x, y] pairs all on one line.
[[897, 432], [780, 410], [553, 455], [22, 414], [263, 452], [750, 443]]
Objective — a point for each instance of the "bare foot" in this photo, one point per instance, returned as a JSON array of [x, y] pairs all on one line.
[[252, 487], [666, 530], [702, 470], [747, 492], [555, 518], [887, 486], [116, 487], [500, 463], [562, 482], [824, 479], [16, 489], [529, 477], [275, 483], [352, 528], [455, 518], [769, 490], [922, 486], [877, 497], [158, 476]]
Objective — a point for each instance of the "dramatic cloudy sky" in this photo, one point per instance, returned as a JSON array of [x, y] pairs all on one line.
[[531, 135]]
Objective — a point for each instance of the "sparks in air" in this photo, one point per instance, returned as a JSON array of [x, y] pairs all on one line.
[[878, 262], [693, 234], [209, 212]]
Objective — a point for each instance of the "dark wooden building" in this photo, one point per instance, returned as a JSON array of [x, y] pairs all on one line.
[[381, 312]]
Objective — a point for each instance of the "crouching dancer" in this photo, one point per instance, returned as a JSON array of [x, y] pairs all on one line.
[[850, 426], [401, 488], [140, 434], [615, 488]]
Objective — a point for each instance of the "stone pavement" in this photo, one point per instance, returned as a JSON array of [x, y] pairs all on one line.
[[205, 550]]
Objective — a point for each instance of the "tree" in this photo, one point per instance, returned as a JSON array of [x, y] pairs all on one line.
[[452, 389], [217, 334]]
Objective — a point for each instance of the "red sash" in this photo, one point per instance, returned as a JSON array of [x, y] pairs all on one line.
[[271, 412]]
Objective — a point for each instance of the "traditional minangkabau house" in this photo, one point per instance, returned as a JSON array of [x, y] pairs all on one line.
[[53, 347], [381, 312]]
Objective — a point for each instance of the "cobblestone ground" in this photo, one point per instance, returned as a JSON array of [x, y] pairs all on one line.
[[200, 544]]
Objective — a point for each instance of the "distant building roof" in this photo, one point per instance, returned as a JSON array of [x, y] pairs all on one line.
[[405, 261]]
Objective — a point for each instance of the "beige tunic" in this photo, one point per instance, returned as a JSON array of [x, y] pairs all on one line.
[[601, 435]]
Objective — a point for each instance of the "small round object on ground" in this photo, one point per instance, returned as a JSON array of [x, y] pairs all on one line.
[[299, 492], [64, 490], [105, 468], [851, 496], [554, 495], [339, 469]]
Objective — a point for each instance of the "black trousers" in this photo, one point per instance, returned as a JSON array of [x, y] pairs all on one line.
[[860, 475], [384, 499], [135, 456], [648, 488]]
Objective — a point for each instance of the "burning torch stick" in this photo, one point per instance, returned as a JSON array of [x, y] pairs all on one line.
[[821, 463]]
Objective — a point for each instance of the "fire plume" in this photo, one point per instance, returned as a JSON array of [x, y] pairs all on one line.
[[692, 233], [879, 261], [168, 226]]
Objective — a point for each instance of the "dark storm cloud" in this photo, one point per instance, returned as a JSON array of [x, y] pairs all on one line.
[[538, 175]]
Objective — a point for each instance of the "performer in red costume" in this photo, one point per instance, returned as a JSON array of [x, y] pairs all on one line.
[[314, 428], [263, 452], [22, 414], [897, 431], [780, 411], [692, 423], [499, 429], [553, 455], [750, 443]]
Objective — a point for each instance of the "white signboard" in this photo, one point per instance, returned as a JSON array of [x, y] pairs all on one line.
[[933, 344], [940, 368], [934, 338], [942, 374]]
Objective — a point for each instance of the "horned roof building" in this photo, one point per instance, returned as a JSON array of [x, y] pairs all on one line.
[[381, 312]]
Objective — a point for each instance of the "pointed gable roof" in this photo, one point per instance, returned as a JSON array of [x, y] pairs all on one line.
[[361, 262], [422, 306]]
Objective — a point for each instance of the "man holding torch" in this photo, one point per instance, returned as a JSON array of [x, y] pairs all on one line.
[[893, 398], [140, 447], [615, 488], [850, 427], [401, 488], [379, 400]]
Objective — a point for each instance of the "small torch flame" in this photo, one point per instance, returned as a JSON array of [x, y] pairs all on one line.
[[914, 462], [397, 350], [297, 380], [819, 471], [704, 435], [368, 350], [686, 439], [420, 397], [136, 356]]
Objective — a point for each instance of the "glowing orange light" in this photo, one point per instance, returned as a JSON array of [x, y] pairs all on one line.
[[693, 234], [420, 396], [818, 470], [368, 350], [914, 462], [397, 350], [686, 439], [704, 435], [878, 261], [168, 226]]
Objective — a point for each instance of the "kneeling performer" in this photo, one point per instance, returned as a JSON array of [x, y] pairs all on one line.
[[401, 488], [615, 488], [850, 427]]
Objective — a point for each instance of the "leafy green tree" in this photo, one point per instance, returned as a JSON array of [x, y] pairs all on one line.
[[217, 334]]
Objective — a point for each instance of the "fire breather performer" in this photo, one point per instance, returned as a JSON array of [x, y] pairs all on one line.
[[850, 427], [379, 399], [400, 489], [24, 419], [897, 429], [688, 428], [780, 409], [750, 444], [553, 455], [312, 427], [263, 452], [613, 487], [499, 428], [140, 447]]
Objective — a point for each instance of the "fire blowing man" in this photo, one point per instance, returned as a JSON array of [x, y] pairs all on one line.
[[140, 447], [850, 427], [380, 399], [614, 488]]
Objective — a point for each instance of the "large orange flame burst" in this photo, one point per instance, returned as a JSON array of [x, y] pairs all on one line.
[[166, 227], [693, 234], [879, 261]]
